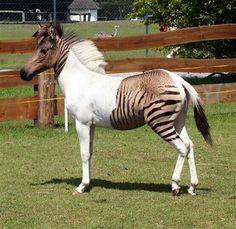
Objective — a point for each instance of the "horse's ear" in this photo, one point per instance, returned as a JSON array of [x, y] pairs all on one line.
[[52, 32], [35, 34], [39, 25]]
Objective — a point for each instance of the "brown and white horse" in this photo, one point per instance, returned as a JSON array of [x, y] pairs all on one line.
[[158, 98]]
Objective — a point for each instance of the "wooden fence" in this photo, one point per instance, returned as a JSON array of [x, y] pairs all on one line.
[[43, 105]]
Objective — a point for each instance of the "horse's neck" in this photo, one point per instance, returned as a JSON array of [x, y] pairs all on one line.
[[63, 50], [75, 76], [62, 56]]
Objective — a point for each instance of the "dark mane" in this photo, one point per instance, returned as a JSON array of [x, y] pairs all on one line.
[[59, 28], [69, 37]]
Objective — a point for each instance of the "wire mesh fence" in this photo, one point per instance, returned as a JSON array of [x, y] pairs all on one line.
[[28, 11], [86, 18]]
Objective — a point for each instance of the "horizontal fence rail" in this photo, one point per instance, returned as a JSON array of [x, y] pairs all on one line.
[[217, 93], [172, 64], [41, 107], [12, 79], [175, 37], [22, 108], [27, 107], [17, 46], [44, 104], [18, 108]]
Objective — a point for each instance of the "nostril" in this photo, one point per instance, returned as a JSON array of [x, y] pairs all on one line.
[[25, 75], [22, 73]]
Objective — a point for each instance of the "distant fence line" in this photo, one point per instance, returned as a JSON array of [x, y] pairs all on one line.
[[21, 11], [44, 104]]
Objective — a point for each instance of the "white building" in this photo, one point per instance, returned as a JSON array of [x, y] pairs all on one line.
[[83, 10]]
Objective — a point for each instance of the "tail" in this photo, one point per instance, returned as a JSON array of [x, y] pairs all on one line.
[[199, 114]]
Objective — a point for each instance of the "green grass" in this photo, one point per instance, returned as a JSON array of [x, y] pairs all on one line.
[[84, 29], [131, 174]]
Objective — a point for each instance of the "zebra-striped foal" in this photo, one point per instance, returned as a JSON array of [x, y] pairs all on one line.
[[158, 98]]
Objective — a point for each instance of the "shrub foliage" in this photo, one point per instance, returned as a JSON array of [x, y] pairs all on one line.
[[189, 13]]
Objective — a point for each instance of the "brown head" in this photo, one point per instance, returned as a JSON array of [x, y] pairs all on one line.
[[46, 52]]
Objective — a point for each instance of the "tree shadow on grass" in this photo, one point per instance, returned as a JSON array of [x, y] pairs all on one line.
[[128, 186]]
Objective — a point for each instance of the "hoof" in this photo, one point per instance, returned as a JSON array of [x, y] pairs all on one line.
[[76, 193], [80, 189], [191, 190], [176, 192]]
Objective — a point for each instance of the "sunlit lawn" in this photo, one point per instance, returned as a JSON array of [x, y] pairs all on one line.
[[131, 174]]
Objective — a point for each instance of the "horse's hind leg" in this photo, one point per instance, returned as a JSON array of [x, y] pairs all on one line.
[[182, 148], [163, 123], [167, 131], [191, 163], [85, 134], [181, 129]]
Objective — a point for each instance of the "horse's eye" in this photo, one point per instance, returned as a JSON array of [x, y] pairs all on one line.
[[44, 50]]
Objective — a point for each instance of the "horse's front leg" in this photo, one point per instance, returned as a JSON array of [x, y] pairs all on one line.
[[85, 134]]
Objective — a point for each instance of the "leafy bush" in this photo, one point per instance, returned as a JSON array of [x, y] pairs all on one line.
[[189, 13]]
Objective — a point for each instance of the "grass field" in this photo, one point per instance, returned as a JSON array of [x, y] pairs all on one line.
[[131, 174]]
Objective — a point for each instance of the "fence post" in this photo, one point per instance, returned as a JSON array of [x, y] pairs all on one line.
[[54, 10], [46, 107]]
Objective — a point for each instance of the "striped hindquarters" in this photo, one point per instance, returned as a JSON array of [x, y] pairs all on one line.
[[162, 112], [151, 98]]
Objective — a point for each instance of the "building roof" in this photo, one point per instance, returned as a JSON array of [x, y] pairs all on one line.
[[83, 5]]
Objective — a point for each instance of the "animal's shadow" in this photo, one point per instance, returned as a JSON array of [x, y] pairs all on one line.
[[150, 187]]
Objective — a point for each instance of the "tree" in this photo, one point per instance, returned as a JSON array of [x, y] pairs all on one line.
[[189, 13]]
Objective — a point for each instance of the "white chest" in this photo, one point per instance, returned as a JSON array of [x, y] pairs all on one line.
[[90, 97]]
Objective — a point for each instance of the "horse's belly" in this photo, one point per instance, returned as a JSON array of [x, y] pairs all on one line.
[[128, 126], [125, 119]]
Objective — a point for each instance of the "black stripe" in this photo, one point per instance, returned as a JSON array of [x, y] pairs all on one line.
[[152, 103], [132, 107], [161, 124], [113, 120], [125, 110], [122, 104], [164, 130], [118, 108], [63, 48], [170, 102], [141, 98], [172, 86], [170, 134], [153, 111], [61, 62], [172, 139], [128, 107], [168, 113], [166, 103], [170, 93]]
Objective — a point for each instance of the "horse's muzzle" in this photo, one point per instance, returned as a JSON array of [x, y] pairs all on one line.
[[25, 76]]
